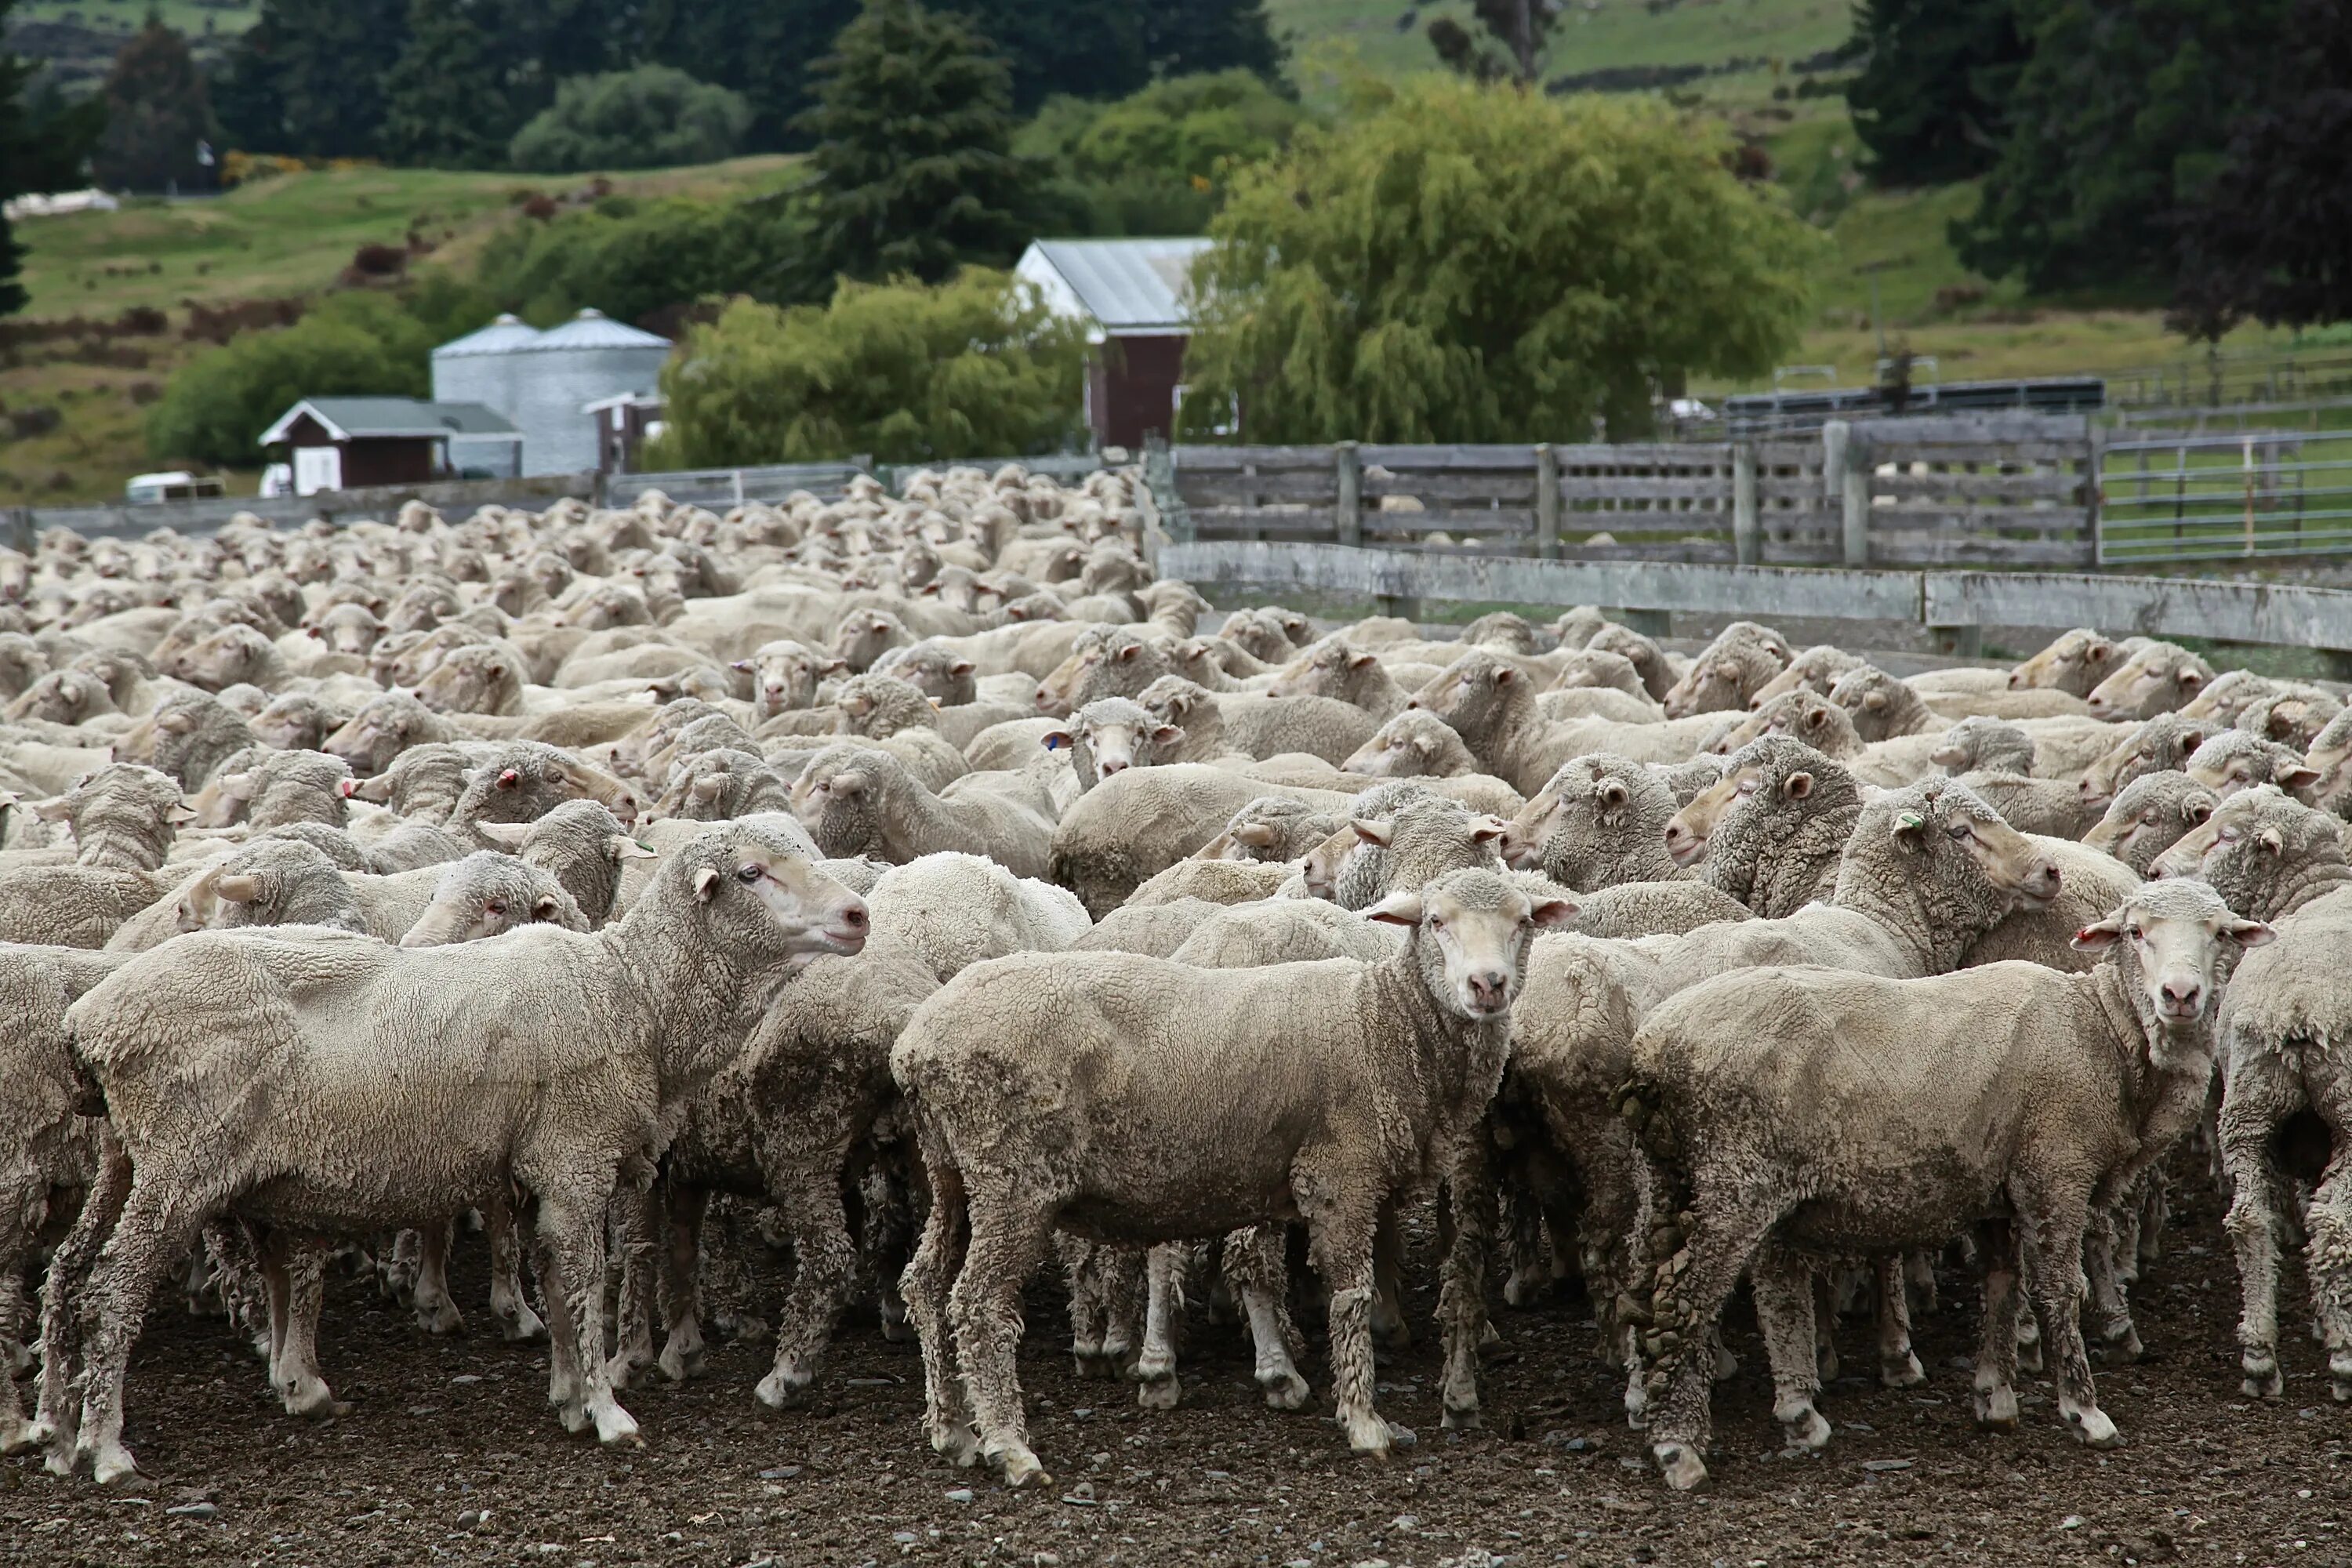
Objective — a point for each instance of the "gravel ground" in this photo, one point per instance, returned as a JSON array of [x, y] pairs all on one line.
[[450, 1454]]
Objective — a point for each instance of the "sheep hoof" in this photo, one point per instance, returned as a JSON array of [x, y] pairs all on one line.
[[312, 1398], [616, 1428], [20, 1437], [2029, 1355], [897, 1331], [1805, 1430], [1284, 1389], [441, 1319], [1997, 1409], [1906, 1372], [2093, 1427], [677, 1365], [1680, 1464], [1164, 1392], [1020, 1466], [1464, 1420], [574, 1416], [959, 1444], [783, 1385], [1523, 1289], [2263, 1380], [521, 1326], [108, 1464]]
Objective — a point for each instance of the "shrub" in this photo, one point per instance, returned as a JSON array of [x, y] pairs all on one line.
[[650, 118]]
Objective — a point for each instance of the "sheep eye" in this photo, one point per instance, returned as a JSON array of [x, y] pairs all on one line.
[[748, 875], [494, 907], [2228, 835], [1961, 830]]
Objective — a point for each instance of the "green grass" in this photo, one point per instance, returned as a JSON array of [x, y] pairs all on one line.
[[129, 16]]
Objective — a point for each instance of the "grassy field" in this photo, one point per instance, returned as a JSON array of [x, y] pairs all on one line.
[[277, 238]]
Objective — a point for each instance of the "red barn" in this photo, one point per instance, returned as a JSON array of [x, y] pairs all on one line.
[[1135, 297]]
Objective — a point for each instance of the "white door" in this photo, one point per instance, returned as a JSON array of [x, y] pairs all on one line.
[[318, 468]]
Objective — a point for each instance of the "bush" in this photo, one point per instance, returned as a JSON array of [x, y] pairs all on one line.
[[653, 117], [1159, 162], [635, 260], [218, 404], [1479, 264], [974, 367]]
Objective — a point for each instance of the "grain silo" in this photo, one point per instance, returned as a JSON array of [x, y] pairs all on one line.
[[560, 371], [481, 367]]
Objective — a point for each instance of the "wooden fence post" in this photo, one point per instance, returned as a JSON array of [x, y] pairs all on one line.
[[1746, 534], [1348, 512], [1547, 501], [1845, 471]]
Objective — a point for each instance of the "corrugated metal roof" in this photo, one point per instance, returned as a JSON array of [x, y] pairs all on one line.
[[1127, 285], [502, 336], [593, 330], [356, 417]]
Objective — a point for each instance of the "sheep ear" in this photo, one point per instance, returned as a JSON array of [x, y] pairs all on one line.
[[1054, 740], [176, 723], [511, 834], [1798, 786], [1615, 793], [239, 887], [1372, 830], [2249, 934], [1127, 654], [376, 791], [848, 783], [236, 786], [56, 810], [1874, 701], [1396, 910], [1553, 914], [709, 787], [1168, 734], [2190, 680], [548, 908], [1488, 829], [1361, 661], [181, 813], [704, 881], [1258, 835], [2098, 936], [623, 847], [961, 667], [1506, 675], [1910, 829], [509, 778], [832, 667], [2269, 838], [2197, 811], [2295, 776], [743, 665]]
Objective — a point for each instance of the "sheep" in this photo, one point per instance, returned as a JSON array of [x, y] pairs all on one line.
[[2265, 852], [1412, 744], [618, 1028], [1270, 829], [1258, 727], [1103, 661], [1985, 745], [2235, 760], [855, 800], [1282, 931], [487, 894], [1791, 1113], [187, 737], [1655, 909], [583, 846], [1203, 1101], [2161, 744], [2090, 883], [1739, 662], [122, 817], [954, 910], [1491, 704], [270, 789], [724, 782], [1816, 670], [1138, 823], [62, 697], [1338, 669], [73, 906], [1600, 821], [1111, 735], [2295, 718], [2159, 677], [1772, 831], [2075, 662], [2148, 815], [518, 780]]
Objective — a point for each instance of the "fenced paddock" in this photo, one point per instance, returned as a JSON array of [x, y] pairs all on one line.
[[2225, 496]]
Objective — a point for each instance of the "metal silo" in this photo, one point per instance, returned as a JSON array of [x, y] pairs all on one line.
[[561, 370], [481, 367]]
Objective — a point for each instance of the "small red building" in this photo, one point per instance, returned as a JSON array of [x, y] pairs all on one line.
[[1135, 297], [354, 443]]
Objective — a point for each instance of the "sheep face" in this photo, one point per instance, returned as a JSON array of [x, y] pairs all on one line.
[[836, 799], [1816, 669], [2161, 744], [488, 894], [1332, 667], [784, 676], [373, 737], [2180, 941], [2234, 761], [792, 906], [476, 679], [1755, 784], [228, 656], [2245, 849], [2147, 819], [1407, 746], [2076, 663], [1471, 693], [1471, 931], [2159, 679], [348, 629], [864, 635]]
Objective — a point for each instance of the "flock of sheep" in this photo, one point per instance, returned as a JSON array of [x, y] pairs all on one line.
[[910, 868]]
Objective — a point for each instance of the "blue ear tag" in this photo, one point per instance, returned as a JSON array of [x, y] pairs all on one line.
[[1053, 743]]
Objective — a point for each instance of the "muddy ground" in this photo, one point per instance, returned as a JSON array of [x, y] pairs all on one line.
[[450, 1454]]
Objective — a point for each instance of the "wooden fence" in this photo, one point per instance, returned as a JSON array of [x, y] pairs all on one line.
[[2010, 490]]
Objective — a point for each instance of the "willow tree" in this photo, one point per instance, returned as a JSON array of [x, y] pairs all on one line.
[[1464, 263]]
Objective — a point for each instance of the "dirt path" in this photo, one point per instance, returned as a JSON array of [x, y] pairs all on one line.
[[452, 1456]]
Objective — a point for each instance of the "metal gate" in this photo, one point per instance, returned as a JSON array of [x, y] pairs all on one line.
[[2222, 497]]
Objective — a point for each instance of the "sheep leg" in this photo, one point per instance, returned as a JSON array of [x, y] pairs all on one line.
[[939, 1257], [508, 1304], [1120, 1281], [300, 1286], [1011, 1232], [2155, 1209], [636, 1218], [1824, 1316], [884, 1231], [1257, 1270], [55, 1414], [436, 1312], [1996, 1364], [1390, 1329], [156, 1228], [1726, 1231], [1082, 1274], [1532, 1272], [1165, 1267], [1462, 1288], [562, 1337], [2257, 1101], [1341, 1239], [572, 1220], [2128, 1220], [2058, 1213], [2029, 1327], [398, 1276], [21, 1208], [679, 1297], [2103, 1252], [1897, 1367], [824, 1270], [2328, 1258], [1784, 1313]]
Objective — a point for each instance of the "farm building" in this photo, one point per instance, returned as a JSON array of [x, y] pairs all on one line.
[[1134, 296], [350, 442], [543, 382]]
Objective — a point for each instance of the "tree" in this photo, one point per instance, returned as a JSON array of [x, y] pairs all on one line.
[[156, 112], [1093, 47], [308, 76], [639, 260], [2267, 241], [1483, 264], [216, 407], [649, 118], [1517, 32], [974, 367], [1930, 101], [2120, 117], [914, 171], [14, 165], [1159, 162], [1188, 38], [445, 102], [760, 48]]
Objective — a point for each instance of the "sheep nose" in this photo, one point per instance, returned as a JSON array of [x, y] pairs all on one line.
[[2012, 680], [1490, 991], [853, 917], [2182, 997], [2095, 702], [1110, 765]]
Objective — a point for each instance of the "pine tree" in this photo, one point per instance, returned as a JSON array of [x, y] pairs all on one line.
[[156, 112], [1931, 99], [443, 104], [760, 48], [1188, 38], [1087, 48], [308, 76], [15, 148], [914, 172]]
